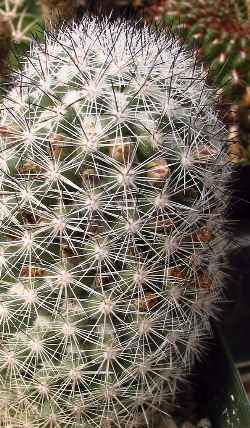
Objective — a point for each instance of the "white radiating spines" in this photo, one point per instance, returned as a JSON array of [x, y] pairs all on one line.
[[111, 192]]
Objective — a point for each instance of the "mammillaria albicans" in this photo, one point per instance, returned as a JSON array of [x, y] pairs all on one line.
[[112, 172]]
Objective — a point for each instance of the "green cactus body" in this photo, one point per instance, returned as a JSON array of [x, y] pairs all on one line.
[[112, 172]]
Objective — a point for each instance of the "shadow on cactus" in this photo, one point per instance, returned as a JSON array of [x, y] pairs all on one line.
[[112, 179]]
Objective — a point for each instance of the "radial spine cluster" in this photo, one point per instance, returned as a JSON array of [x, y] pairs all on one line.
[[111, 192]]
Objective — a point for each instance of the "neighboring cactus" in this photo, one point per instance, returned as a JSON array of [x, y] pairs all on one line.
[[21, 17], [17, 22], [221, 31], [112, 172]]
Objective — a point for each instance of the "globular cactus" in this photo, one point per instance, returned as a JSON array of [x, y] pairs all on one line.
[[112, 178]]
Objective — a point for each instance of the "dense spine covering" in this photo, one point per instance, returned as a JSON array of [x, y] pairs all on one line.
[[112, 172]]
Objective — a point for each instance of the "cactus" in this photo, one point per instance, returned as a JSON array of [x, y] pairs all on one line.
[[18, 19], [112, 172], [221, 31], [21, 16]]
